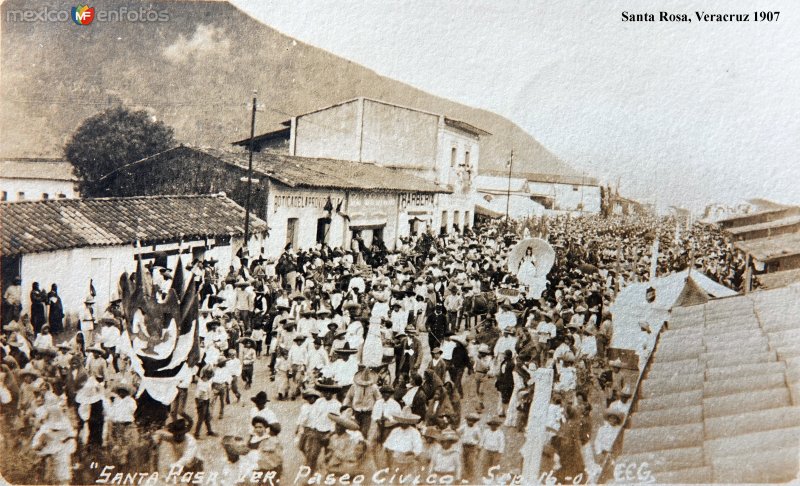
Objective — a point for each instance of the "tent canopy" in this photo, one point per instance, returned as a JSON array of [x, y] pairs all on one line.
[[674, 290], [669, 289]]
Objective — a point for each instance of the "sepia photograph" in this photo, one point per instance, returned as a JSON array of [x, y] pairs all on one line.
[[399, 242]]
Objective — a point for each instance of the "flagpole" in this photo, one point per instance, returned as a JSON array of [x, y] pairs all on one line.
[[654, 261], [508, 193], [249, 173]]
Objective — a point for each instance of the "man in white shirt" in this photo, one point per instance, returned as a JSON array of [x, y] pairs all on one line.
[[109, 334], [546, 330], [219, 386], [588, 343], [404, 443], [508, 341], [567, 376], [261, 409], [319, 424], [607, 435], [383, 412], [317, 357], [492, 445], [506, 317], [622, 404], [448, 345], [87, 321], [453, 304], [399, 317], [357, 282], [234, 370], [218, 335], [298, 357], [344, 369]]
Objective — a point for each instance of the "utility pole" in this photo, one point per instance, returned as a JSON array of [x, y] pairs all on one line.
[[249, 174], [508, 192]]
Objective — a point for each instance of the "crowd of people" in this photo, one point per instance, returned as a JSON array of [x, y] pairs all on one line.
[[422, 358]]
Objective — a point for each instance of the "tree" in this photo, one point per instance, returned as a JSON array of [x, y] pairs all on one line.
[[111, 139]]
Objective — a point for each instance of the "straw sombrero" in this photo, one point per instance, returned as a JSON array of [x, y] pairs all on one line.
[[346, 349], [406, 417], [327, 385], [494, 421], [235, 446], [344, 419], [365, 377], [449, 435]]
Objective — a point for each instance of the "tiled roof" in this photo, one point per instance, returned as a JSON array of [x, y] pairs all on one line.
[[774, 280], [759, 212], [778, 223], [282, 133], [36, 168], [296, 171], [59, 224], [719, 402], [766, 249]]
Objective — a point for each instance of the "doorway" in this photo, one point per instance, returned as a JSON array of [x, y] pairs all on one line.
[[291, 232], [323, 227]]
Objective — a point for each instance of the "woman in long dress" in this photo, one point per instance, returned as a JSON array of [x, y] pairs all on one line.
[[512, 413], [372, 352], [526, 274]]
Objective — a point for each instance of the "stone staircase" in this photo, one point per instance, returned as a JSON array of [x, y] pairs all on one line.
[[720, 402]]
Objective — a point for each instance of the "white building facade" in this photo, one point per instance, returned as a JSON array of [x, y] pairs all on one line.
[[427, 145], [31, 179], [95, 241], [305, 216]]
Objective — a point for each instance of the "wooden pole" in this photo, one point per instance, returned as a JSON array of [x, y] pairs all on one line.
[[535, 434], [249, 174], [508, 192]]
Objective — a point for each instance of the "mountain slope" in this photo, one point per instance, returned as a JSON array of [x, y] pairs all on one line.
[[196, 72]]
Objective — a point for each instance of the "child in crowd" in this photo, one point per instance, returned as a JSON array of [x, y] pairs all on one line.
[[470, 443], [248, 361], [202, 399], [492, 445]]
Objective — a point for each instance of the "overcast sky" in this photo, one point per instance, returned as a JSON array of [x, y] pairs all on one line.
[[682, 113]]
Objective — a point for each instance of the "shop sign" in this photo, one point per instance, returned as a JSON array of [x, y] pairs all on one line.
[[305, 200], [415, 199]]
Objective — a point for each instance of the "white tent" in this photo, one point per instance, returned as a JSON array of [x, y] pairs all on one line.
[[674, 290]]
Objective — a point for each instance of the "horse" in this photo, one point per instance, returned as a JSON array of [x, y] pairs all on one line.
[[479, 305], [486, 332]]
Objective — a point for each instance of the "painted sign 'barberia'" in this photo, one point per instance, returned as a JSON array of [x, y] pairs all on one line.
[[309, 200], [415, 199]]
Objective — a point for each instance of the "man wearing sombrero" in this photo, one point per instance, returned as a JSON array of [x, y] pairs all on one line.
[[404, 443], [319, 423], [346, 447], [362, 396], [87, 320]]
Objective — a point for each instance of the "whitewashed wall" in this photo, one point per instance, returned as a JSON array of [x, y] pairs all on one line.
[[71, 271], [568, 197], [35, 189]]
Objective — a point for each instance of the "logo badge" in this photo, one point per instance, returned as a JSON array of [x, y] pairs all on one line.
[[83, 14]]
